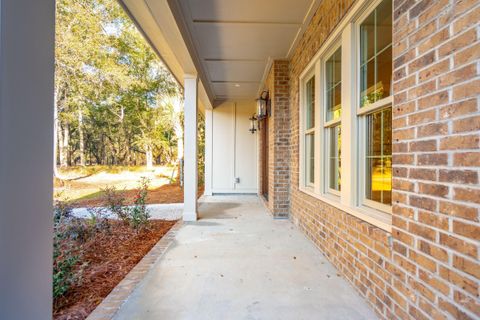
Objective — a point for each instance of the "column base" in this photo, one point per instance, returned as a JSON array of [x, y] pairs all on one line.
[[190, 216]]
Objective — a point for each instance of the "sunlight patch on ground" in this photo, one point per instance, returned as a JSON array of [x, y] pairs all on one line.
[[89, 186]]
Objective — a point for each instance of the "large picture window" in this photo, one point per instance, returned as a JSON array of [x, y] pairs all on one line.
[[346, 116]]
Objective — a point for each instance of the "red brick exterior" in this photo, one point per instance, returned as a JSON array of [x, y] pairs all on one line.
[[428, 267], [436, 157], [279, 140]]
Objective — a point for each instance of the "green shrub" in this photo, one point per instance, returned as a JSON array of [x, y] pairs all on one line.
[[115, 202], [61, 211], [64, 260], [139, 214], [136, 215], [63, 269]]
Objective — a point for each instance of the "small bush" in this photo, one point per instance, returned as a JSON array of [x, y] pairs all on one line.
[[63, 269], [139, 214], [115, 202], [61, 211], [136, 215], [64, 260], [97, 220]]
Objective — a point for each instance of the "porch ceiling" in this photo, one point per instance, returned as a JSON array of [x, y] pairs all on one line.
[[229, 44], [232, 42]]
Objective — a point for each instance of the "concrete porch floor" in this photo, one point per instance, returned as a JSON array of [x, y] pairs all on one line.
[[236, 262]]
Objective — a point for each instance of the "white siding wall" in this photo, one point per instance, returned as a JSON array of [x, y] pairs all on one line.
[[234, 149]]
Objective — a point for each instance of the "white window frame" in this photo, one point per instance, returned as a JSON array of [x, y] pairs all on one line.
[[352, 119], [362, 113], [326, 124], [304, 172]]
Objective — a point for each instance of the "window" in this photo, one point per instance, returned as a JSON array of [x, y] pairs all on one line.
[[379, 156], [376, 55], [333, 109], [346, 134], [310, 132], [375, 112]]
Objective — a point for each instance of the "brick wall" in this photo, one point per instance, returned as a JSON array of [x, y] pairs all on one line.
[[359, 251], [277, 84], [436, 157], [430, 270]]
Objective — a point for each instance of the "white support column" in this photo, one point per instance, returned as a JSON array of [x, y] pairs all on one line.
[[208, 151], [190, 169], [26, 158]]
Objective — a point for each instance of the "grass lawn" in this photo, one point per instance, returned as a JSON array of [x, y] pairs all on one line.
[[82, 187]]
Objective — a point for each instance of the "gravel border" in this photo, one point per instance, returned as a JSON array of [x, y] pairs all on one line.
[[164, 211]]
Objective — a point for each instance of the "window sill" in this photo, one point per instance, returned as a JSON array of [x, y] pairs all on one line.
[[375, 217]]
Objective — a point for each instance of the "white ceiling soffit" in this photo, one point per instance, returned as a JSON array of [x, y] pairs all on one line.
[[232, 41], [157, 24]]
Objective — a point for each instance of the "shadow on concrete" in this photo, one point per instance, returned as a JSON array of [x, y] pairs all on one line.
[[216, 210]]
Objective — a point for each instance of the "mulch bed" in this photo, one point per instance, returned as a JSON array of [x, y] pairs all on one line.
[[109, 257], [169, 193]]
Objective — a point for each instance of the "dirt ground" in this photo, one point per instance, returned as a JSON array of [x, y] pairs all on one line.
[[84, 189], [108, 257]]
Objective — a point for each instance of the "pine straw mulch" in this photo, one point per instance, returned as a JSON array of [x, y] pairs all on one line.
[[109, 257], [168, 193]]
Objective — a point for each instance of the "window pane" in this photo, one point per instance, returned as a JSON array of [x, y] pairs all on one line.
[[310, 104], [383, 25], [376, 54], [384, 73], [309, 158], [379, 157], [334, 158], [333, 85], [367, 83], [367, 38]]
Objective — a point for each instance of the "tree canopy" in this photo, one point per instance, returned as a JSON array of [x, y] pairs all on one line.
[[114, 99]]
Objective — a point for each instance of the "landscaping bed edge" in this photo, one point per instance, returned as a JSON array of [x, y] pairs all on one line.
[[113, 302]]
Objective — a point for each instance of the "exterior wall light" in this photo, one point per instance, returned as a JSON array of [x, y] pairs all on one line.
[[253, 119], [263, 105], [263, 111]]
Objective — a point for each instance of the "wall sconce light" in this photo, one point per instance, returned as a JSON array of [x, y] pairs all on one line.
[[263, 105], [253, 119]]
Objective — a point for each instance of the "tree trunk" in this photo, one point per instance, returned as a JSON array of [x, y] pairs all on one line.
[[61, 151], [64, 139], [104, 151], [81, 138], [178, 127], [149, 157]]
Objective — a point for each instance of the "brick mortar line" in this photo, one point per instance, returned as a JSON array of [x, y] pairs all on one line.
[[441, 120], [431, 197], [110, 305], [437, 244]]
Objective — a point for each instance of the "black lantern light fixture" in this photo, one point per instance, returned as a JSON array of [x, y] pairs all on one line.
[[263, 111], [263, 106], [253, 119]]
